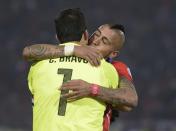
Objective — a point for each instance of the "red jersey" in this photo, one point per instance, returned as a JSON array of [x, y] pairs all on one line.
[[122, 70]]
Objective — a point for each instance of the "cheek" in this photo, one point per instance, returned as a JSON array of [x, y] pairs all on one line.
[[107, 50], [104, 51], [101, 49]]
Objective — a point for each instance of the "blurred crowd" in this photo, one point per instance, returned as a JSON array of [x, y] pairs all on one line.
[[148, 51]]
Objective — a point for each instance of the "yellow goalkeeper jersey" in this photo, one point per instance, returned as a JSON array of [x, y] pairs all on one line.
[[50, 112]]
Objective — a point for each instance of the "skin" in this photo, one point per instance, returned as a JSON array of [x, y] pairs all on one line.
[[108, 42], [47, 51], [115, 97], [104, 42]]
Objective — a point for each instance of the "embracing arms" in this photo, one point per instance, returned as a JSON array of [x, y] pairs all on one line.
[[48, 51], [124, 98], [42, 51]]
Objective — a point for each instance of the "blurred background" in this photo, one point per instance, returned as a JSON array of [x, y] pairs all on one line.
[[149, 51]]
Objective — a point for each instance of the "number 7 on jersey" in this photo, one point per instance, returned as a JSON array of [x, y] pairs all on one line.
[[63, 102]]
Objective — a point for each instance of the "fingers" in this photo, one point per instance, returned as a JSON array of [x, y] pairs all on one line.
[[96, 51], [72, 83], [73, 88], [71, 94], [94, 58], [89, 53], [74, 98], [77, 83], [89, 60], [78, 88]]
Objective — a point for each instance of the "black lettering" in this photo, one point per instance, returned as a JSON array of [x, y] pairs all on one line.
[[70, 59], [61, 59], [85, 61], [74, 58], [67, 58], [79, 59], [51, 60]]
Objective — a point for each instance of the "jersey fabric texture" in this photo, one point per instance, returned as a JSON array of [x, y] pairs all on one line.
[[44, 80]]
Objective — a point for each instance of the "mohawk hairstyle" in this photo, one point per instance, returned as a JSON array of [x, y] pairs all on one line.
[[117, 27]]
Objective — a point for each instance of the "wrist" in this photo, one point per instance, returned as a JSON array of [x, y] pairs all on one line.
[[76, 49], [68, 50], [94, 90]]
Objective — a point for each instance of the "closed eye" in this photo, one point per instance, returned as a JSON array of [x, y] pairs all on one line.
[[106, 41]]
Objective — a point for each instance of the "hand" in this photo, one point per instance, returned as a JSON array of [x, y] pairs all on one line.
[[89, 53], [79, 88]]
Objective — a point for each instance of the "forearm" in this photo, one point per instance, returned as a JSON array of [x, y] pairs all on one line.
[[123, 97], [42, 51], [114, 96]]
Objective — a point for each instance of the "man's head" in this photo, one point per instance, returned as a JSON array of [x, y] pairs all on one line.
[[108, 39], [70, 25]]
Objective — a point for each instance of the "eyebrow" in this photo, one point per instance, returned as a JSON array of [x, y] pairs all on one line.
[[99, 30], [104, 38]]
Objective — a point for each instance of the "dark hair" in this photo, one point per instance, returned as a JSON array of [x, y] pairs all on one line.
[[117, 27], [70, 25]]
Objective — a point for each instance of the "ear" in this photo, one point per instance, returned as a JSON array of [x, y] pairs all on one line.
[[56, 37], [86, 35], [114, 54], [84, 39]]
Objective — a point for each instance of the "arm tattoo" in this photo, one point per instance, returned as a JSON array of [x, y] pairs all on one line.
[[125, 95], [113, 96], [43, 51], [125, 83], [37, 50]]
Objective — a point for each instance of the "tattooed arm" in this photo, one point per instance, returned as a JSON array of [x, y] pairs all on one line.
[[42, 51], [123, 99], [47, 51]]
